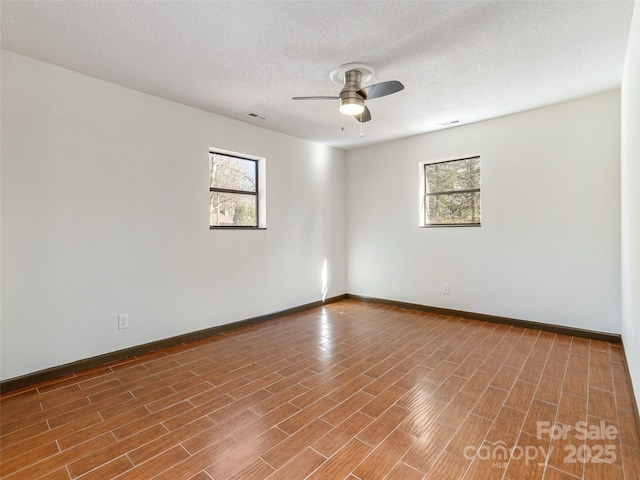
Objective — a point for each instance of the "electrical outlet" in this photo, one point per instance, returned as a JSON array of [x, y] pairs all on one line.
[[123, 321], [445, 288]]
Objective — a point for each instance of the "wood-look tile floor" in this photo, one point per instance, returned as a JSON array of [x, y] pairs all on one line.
[[350, 390]]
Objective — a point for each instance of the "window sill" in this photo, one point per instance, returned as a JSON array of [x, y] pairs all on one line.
[[457, 225], [237, 228]]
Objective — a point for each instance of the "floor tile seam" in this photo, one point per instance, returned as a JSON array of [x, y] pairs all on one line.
[[16, 404], [525, 411], [66, 468], [69, 399], [588, 395], [109, 446], [112, 370], [408, 466], [123, 387], [252, 363], [195, 452], [522, 364], [199, 451], [615, 398], [124, 455], [464, 474], [151, 459], [47, 458], [309, 422], [98, 407], [18, 445], [173, 373], [547, 361], [489, 385], [148, 417], [357, 391], [132, 362], [25, 442], [277, 427], [303, 448], [243, 461], [562, 471], [293, 385], [253, 381], [635, 450], [470, 348], [622, 444], [319, 466], [218, 385], [607, 350], [261, 457], [520, 434], [485, 418], [63, 379], [274, 409], [370, 416], [373, 447], [180, 398], [163, 383], [50, 432], [67, 383], [204, 374], [560, 398], [607, 420], [458, 430], [590, 387], [405, 355], [340, 364], [618, 439], [137, 399], [353, 467], [79, 377], [217, 424]]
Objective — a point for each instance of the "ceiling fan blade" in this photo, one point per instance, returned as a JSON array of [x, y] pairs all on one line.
[[315, 98], [364, 116], [380, 89]]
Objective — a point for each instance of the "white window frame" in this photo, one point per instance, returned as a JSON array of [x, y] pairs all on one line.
[[422, 220], [261, 188]]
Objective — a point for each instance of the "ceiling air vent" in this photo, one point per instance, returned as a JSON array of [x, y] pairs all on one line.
[[257, 115], [450, 122]]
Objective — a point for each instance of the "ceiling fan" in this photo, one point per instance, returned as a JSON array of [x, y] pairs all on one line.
[[353, 96]]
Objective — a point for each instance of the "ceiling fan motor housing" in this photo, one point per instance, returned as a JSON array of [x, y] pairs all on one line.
[[349, 98]]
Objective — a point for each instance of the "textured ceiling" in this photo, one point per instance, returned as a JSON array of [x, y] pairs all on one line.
[[467, 60]]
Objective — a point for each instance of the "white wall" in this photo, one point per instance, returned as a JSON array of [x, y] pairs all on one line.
[[549, 246], [105, 211], [630, 176]]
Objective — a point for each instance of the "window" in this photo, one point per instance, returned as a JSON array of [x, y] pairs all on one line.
[[233, 191], [452, 193]]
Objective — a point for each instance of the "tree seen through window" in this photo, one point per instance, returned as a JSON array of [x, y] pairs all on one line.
[[452, 192], [233, 191]]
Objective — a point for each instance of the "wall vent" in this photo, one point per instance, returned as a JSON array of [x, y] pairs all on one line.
[[257, 115]]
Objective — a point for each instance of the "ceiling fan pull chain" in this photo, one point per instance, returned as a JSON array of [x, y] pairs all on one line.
[[360, 125], [342, 121]]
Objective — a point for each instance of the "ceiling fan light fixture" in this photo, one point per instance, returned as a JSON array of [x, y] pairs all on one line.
[[351, 106], [353, 96]]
